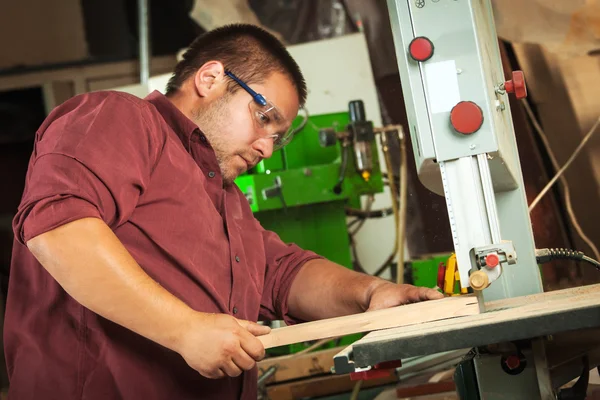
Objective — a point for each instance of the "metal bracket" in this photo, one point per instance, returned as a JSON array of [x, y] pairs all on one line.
[[503, 252], [579, 390], [275, 191], [343, 363]]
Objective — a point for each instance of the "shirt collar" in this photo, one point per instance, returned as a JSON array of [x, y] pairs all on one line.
[[182, 125]]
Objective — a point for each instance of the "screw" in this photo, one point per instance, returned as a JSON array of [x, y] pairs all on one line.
[[459, 71], [472, 147]]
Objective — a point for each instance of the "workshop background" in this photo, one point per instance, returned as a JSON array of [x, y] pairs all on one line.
[[51, 51]]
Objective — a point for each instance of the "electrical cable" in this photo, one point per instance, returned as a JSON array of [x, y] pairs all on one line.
[[403, 207], [337, 189], [563, 180], [567, 164], [351, 234], [370, 200], [302, 124], [381, 213], [591, 261], [395, 204], [399, 236], [545, 255], [356, 390]]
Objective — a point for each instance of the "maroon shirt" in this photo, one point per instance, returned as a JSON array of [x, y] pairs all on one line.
[[151, 175]]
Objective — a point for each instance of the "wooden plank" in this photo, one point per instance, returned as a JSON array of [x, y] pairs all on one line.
[[300, 366], [401, 316], [504, 310], [546, 314], [588, 290]]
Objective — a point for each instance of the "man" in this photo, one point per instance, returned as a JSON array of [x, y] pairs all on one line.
[[138, 269]]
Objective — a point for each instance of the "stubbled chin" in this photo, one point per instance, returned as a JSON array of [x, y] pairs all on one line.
[[230, 176]]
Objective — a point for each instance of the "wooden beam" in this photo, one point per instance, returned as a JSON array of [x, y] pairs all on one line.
[[159, 65], [322, 386], [406, 315]]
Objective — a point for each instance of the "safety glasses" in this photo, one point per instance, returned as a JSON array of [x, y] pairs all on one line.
[[267, 118]]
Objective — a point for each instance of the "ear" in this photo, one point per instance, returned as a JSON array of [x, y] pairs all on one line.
[[209, 78]]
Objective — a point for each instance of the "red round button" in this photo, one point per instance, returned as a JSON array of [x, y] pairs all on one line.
[[513, 362], [492, 260], [421, 49], [466, 117]]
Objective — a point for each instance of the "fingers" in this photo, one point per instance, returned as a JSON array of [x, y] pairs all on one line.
[[254, 328], [243, 360], [429, 294], [215, 374], [230, 369], [252, 346]]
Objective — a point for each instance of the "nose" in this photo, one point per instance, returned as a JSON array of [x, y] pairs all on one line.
[[264, 146]]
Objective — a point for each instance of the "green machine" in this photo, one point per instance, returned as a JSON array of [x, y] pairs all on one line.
[[302, 191]]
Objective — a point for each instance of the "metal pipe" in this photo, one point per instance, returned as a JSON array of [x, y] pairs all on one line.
[[144, 41]]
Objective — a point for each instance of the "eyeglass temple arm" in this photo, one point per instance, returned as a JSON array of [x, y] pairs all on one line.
[[259, 98]]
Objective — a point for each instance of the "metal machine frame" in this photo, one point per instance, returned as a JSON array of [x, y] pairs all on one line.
[[478, 170], [465, 149]]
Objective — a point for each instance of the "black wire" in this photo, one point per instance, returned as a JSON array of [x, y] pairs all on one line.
[[337, 189], [354, 222], [386, 264], [384, 212], [357, 264], [591, 261], [545, 255]]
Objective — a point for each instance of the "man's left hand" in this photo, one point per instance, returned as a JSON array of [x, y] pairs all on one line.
[[387, 294]]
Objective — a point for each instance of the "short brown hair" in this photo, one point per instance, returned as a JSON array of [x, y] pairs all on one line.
[[248, 51]]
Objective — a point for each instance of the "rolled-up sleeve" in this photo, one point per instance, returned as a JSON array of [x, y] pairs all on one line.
[[92, 158], [283, 262]]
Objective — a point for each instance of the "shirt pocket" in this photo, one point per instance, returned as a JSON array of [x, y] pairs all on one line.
[[254, 258]]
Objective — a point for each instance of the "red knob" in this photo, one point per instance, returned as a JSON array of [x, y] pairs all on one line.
[[441, 275], [466, 117], [492, 260], [513, 362], [421, 49], [517, 85]]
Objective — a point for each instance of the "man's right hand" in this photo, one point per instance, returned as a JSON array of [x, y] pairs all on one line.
[[218, 345]]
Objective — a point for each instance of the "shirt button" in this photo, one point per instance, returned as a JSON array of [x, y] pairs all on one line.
[[237, 258], [235, 310], [211, 174]]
